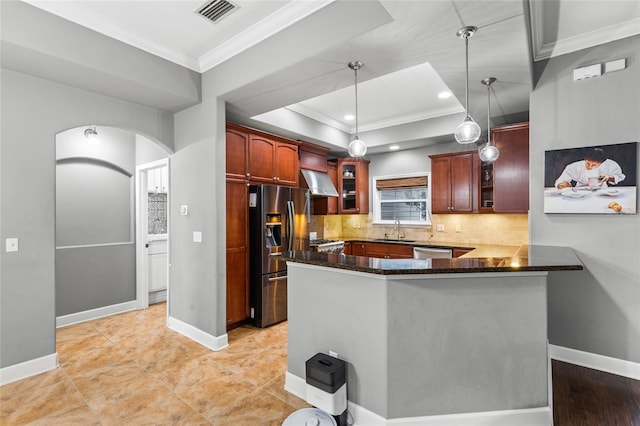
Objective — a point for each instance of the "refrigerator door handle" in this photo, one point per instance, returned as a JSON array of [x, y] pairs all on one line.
[[291, 225], [278, 278]]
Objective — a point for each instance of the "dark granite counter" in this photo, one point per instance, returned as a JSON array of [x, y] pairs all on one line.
[[520, 259]]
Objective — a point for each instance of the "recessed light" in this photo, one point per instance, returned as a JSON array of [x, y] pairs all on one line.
[[394, 148], [349, 117], [444, 95]]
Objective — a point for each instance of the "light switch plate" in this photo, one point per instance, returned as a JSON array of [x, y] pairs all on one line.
[[197, 236], [11, 245]]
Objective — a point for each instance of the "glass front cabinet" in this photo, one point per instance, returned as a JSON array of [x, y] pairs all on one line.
[[353, 186]]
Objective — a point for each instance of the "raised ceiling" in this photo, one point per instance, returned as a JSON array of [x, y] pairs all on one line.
[[408, 60]]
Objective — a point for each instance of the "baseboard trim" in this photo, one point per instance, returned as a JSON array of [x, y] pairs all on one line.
[[157, 296], [26, 369], [541, 416], [92, 314], [215, 343], [604, 363]]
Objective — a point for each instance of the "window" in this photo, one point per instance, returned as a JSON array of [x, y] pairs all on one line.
[[405, 198]]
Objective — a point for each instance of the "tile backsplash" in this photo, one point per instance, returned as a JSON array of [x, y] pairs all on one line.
[[501, 229]]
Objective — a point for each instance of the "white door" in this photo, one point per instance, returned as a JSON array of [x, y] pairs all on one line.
[[152, 236]]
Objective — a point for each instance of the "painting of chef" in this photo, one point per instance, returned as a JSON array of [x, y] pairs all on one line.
[[597, 179]]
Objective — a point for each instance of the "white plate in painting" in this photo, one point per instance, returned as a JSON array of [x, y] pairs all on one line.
[[610, 193], [568, 193]]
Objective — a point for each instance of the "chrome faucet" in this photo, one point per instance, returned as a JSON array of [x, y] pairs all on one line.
[[397, 228]]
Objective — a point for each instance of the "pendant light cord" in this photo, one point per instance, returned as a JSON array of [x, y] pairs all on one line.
[[466, 61], [356, 74], [489, 114]]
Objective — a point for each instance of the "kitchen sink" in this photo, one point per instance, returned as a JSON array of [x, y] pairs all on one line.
[[391, 240]]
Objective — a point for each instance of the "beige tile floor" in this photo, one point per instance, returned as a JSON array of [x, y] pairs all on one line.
[[130, 369]]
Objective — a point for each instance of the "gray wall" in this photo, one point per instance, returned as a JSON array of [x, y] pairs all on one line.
[[198, 270], [417, 346], [148, 151], [34, 111], [411, 160], [95, 241], [596, 310]]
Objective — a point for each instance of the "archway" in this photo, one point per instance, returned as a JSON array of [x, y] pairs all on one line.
[[97, 206]]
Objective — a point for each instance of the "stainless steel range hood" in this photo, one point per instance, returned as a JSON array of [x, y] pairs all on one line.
[[319, 183]]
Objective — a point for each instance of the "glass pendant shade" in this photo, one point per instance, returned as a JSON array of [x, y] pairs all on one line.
[[489, 153], [357, 148], [468, 131]]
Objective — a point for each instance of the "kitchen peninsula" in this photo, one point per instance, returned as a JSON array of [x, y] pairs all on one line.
[[429, 337]]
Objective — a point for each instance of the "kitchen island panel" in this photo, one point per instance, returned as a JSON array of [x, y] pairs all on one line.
[[344, 312], [423, 345], [467, 344]]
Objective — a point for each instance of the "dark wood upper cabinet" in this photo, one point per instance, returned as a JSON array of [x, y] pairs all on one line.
[[454, 180], [511, 170], [261, 159], [269, 158], [313, 157], [287, 166], [353, 186], [237, 144]]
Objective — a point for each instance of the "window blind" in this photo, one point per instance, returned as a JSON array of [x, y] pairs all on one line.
[[399, 183]]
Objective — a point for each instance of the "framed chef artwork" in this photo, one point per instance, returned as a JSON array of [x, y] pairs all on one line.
[[593, 179]]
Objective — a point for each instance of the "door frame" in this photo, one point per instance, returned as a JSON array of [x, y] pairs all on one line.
[[142, 205]]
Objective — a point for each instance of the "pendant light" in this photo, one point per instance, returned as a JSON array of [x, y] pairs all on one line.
[[468, 131], [488, 153], [357, 147]]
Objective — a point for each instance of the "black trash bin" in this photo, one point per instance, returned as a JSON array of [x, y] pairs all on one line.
[[327, 385]]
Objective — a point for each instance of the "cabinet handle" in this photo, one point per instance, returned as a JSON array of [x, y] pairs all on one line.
[[248, 174]]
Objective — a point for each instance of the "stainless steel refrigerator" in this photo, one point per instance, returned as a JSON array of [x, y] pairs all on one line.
[[278, 221]]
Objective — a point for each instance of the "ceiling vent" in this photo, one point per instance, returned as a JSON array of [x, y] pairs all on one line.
[[215, 10]]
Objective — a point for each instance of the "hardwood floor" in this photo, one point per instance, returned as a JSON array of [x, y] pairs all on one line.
[[587, 397], [130, 369]]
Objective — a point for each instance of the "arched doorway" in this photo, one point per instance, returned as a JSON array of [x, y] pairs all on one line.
[[97, 237]]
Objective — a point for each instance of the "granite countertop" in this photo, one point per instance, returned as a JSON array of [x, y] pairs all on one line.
[[520, 259], [478, 250]]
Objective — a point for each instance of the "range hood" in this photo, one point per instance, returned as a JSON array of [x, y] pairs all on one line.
[[319, 183]]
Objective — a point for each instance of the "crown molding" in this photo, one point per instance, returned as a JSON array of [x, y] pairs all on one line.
[[542, 50], [380, 124], [286, 16], [72, 12]]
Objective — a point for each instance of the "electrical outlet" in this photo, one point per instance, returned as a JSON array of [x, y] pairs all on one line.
[[458, 228], [440, 227], [333, 354], [197, 236]]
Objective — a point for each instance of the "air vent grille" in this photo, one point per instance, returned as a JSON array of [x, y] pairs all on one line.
[[216, 10]]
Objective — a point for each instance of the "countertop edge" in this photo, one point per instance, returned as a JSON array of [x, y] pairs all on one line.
[[528, 259]]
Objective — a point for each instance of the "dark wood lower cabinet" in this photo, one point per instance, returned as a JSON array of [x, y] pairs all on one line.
[[511, 170], [237, 288], [237, 253], [388, 251], [457, 252]]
